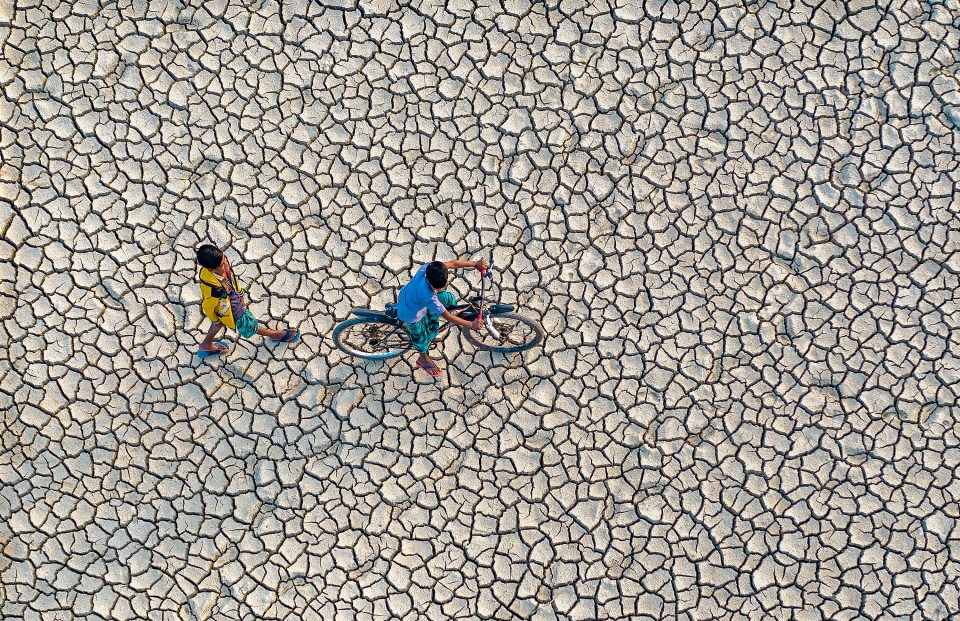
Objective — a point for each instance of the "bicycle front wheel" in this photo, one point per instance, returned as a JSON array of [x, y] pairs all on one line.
[[516, 334], [373, 339]]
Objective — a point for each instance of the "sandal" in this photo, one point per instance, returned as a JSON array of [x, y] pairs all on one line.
[[433, 369], [222, 348], [290, 335]]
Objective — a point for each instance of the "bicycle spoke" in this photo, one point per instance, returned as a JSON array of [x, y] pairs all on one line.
[[371, 338], [514, 333], [510, 338], [509, 333], [393, 339]]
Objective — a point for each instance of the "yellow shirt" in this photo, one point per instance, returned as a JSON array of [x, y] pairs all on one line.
[[215, 301]]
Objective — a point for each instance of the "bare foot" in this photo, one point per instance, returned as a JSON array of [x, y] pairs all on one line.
[[214, 347]]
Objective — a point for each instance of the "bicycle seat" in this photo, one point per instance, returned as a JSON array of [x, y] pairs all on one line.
[[390, 310]]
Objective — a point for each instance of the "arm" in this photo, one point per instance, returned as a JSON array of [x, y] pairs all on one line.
[[458, 263], [476, 324]]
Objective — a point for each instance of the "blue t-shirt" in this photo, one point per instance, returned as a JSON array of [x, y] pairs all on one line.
[[417, 297]]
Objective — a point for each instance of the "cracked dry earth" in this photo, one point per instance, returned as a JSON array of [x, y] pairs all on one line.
[[736, 221]]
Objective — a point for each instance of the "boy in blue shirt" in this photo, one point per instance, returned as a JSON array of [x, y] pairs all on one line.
[[422, 302]]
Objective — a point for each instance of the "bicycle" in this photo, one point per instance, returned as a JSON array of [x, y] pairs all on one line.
[[379, 335]]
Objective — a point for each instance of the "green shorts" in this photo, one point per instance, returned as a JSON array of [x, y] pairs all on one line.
[[424, 331], [247, 325]]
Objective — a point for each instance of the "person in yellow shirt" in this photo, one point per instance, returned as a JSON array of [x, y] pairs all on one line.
[[223, 304]]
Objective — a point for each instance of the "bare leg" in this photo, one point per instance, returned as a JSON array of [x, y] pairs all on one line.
[[271, 334], [207, 344]]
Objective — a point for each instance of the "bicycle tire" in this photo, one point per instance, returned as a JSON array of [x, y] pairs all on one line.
[[347, 348], [534, 326]]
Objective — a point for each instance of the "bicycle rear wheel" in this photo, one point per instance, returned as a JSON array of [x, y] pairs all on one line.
[[516, 334], [370, 338]]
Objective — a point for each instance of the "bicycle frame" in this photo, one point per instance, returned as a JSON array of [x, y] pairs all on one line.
[[467, 311]]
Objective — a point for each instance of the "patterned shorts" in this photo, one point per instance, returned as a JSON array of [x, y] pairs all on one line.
[[423, 332], [247, 325]]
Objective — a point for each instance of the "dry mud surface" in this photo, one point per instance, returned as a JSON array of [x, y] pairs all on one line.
[[736, 221]]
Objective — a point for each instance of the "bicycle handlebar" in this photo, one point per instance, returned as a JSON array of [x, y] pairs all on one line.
[[488, 270]]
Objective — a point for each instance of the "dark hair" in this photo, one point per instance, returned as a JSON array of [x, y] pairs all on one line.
[[209, 256], [437, 275]]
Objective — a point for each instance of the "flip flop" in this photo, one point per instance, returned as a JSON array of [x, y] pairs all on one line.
[[434, 370], [290, 335], [222, 348]]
